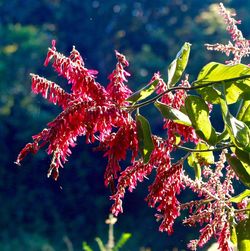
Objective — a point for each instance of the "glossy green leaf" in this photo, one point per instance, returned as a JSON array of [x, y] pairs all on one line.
[[241, 169], [146, 144], [210, 94], [244, 112], [237, 90], [243, 235], [238, 198], [144, 92], [177, 139], [173, 114], [198, 113], [207, 157], [195, 158], [238, 130], [178, 65], [193, 162], [234, 78], [243, 156], [233, 233], [216, 72], [222, 136]]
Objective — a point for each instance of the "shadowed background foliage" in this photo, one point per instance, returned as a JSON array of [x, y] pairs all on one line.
[[39, 214]]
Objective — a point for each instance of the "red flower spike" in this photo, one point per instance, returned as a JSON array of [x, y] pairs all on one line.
[[29, 148], [128, 179], [117, 146], [49, 90], [116, 88]]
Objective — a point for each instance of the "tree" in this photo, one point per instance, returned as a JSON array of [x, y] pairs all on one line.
[[111, 116]]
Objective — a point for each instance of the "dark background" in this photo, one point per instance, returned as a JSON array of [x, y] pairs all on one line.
[[37, 213]]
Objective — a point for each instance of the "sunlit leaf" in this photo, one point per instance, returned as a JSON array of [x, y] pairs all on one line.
[[193, 162], [233, 234], [222, 136], [243, 235], [242, 170], [238, 130], [146, 144], [196, 158], [243, 156], [235, 79], [238, 198], [244, 112], [216, 72], [173, 114], [144, 92], [198, 113], [178, 65]]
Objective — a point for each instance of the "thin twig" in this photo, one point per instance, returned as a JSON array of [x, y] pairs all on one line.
[[192, 87], [241, 210], [204, 150]]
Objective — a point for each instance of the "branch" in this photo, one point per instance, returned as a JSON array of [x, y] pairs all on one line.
[[204, 150], [237, 211], [192, 87]]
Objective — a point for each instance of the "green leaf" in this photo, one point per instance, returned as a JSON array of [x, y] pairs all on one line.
[[238, 130], [235, 79], [173, 114], [238, 198], [86, 247], [121, 242], [193, 162], [198, 113], [196, 158], [242, 170], [222, 136], [146, 144], [216, 72], [237, 90], [233, 234], [242, 155], [178, 65], [210, 94], [244, 112], [143, 92], [243, 235]]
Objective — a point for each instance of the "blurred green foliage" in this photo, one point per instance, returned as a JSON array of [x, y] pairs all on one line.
[[37, 213]]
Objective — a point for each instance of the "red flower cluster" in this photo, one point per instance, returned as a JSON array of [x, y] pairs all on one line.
[[89, 110]]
